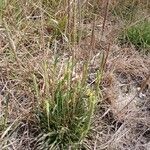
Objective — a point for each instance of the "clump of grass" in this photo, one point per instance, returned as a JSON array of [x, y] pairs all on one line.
[[64, 105], [137, 34], [64, 112]]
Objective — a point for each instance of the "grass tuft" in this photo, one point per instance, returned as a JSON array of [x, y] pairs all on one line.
[[64, 113], [137, 34]]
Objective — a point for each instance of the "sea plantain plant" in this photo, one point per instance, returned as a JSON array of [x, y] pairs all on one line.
[[65, 110]]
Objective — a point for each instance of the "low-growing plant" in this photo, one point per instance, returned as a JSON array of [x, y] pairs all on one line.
[[137, 34], [64, 111]]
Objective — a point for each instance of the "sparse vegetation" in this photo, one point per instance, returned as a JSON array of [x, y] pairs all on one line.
[[125, 10], [66, 83], [138, 34]]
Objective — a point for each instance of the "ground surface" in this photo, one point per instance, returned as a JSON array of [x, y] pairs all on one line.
[[122, 117]]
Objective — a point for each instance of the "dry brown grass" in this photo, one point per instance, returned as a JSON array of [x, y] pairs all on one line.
[[28, 38], [122, 120]]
